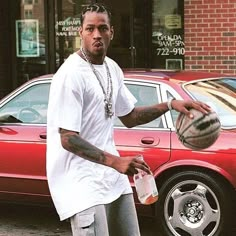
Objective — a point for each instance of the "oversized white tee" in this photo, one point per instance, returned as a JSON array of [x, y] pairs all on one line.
[[76, 102]]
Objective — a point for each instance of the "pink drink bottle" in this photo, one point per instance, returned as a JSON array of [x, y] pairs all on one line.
[[145, 186]]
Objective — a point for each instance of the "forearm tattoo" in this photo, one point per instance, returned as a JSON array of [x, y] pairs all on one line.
[[145, 115], [75, 144]]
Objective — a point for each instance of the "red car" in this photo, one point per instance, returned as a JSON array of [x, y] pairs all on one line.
[[196, 188]]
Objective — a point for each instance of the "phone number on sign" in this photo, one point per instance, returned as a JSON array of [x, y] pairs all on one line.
[[167, 51]]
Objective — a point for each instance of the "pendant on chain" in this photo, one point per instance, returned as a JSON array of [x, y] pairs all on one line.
[[108, 95], [108, 109]]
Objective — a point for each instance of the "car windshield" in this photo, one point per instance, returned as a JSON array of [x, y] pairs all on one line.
[[220, 94]]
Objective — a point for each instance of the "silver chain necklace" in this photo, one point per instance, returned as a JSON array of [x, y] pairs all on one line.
[[107, 94]]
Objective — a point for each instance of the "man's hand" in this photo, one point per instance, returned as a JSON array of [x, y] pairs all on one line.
[[129, 165], [184, 106]]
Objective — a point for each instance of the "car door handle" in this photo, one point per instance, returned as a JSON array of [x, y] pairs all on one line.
[[43, 136], [147, 140]]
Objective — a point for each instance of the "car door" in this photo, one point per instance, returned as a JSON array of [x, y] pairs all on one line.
[[152, 140], [23, 142]]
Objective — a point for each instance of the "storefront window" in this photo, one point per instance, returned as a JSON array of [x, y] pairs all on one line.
[[67, 27], [30, 40], [40, 34], [127, 48], [168, 34]]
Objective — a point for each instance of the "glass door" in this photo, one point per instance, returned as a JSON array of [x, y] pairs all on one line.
[[129, 47], [148, 34], [168, 34], [140, 30], [121, 48]]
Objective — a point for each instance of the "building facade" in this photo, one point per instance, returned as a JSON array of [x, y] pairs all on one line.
[[38, 35], [210, 35]]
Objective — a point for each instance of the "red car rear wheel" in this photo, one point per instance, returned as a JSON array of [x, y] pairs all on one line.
[[194, 203]]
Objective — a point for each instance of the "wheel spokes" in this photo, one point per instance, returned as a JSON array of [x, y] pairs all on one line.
[[192, 209]]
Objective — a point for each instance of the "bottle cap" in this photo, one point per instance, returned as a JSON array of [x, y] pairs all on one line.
[[140, 157]]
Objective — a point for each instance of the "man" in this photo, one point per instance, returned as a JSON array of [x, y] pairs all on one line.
[[87, 178]]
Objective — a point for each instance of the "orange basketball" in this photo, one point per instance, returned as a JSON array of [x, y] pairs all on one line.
[[200, 132]]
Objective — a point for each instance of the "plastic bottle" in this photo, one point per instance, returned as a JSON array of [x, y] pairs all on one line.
[[145, 186]]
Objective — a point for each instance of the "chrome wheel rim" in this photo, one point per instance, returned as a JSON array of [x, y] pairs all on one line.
[[192, 209]]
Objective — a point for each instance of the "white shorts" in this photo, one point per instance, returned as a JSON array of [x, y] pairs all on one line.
[[118, 218]]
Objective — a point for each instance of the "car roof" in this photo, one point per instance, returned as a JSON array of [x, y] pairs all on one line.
[[175, 76], [178, 76]]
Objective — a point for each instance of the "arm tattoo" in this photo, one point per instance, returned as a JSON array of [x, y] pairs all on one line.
[[147, 114], [74, 143]]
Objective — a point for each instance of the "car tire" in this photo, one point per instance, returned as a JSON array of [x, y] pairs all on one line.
[[194, 203]]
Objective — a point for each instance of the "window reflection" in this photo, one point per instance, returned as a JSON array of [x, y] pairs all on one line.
[[220, 94]]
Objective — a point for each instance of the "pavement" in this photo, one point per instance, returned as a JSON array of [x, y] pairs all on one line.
[[39, 221], [18, 220]]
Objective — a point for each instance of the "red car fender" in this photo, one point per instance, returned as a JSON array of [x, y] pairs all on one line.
[[193, 163]]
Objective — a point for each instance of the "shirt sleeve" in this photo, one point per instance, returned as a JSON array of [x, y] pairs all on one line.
[[63, 101]]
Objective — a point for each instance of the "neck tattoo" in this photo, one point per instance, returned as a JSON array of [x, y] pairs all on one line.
[[107, 94]]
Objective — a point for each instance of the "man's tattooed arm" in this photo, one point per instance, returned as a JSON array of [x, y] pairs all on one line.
[[142, 115], [72, 142], [145, 114]]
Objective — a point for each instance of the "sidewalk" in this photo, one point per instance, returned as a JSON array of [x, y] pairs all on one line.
[[28, 221]]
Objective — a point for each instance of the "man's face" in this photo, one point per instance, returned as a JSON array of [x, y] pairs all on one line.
[[96, 33]]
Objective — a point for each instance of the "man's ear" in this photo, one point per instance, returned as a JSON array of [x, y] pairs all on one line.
[[112, 32], [80, 32]]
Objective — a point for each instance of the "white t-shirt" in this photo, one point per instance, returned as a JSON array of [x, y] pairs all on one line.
[[76, 103]]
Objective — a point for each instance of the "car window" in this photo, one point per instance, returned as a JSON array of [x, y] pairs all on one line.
[[145, 95], [30, 106], [220, 94]]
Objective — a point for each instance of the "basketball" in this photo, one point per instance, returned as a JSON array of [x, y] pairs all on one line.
[[199, 132]]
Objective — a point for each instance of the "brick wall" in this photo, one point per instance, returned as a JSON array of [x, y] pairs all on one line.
[[210, 35]]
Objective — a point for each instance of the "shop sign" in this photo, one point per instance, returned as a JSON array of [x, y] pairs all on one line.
[[173, 21], [169, 44], [174, 64], [27, 38], [68, 27]]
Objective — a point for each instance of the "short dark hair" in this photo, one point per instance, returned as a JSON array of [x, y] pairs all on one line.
[[95, 7]]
